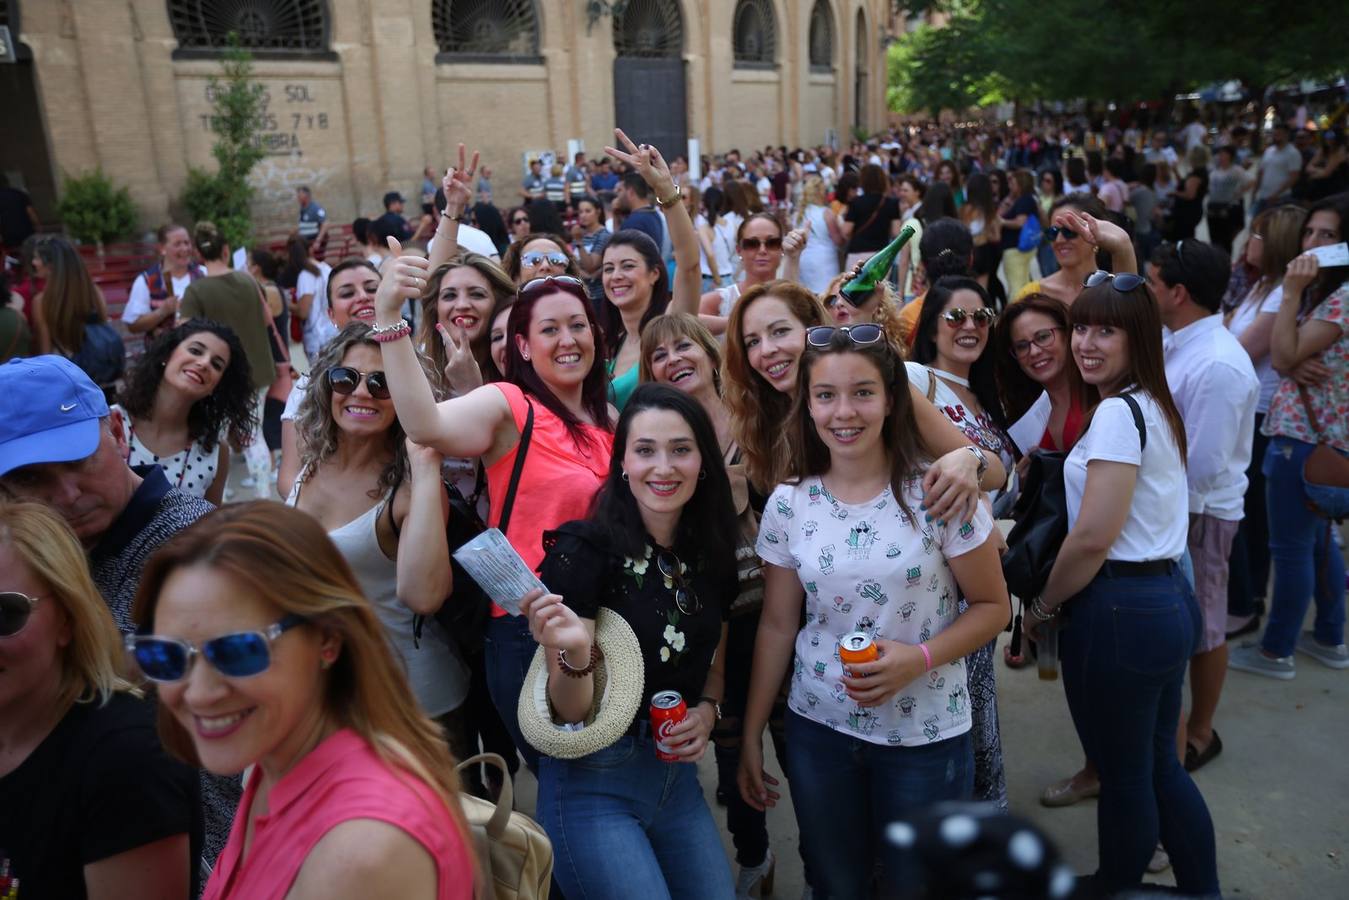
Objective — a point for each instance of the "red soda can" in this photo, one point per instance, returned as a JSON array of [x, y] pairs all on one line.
[[857, 647], [668, 709]]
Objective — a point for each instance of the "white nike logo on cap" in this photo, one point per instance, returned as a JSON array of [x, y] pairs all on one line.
[[65, 408]]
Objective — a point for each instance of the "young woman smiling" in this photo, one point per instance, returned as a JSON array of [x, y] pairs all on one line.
[[1036, 376], [456, 320], [184, 402], [846, 540], [1080, 233], [555, 386], [1118, 574], [767, 337], [759, 242], [621, 816]]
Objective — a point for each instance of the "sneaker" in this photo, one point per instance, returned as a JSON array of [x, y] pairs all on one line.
[[1249, 658], [756, 881], [1336, 657]]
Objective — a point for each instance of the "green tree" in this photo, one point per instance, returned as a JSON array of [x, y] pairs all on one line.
[[94, 210], [225, 196]]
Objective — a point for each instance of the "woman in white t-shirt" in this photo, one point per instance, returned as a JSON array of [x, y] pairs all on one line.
[[878, 740], [1132, 622], [308, 279], [1275, 238]]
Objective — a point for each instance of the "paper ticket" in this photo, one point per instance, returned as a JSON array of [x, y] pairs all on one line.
[[498, 569]]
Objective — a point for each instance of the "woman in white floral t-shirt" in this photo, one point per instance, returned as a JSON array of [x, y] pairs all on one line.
[[1310, 348], [850, 539]]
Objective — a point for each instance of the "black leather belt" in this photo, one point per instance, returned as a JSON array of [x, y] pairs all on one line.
[[1118, 568]]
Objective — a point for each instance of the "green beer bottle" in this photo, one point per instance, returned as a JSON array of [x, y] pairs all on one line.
[[874, 270]]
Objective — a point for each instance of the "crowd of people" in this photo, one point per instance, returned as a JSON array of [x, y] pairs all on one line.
[[729, 467]]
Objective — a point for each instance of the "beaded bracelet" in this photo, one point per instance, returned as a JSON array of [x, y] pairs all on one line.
[[385, 333], [572, 672]]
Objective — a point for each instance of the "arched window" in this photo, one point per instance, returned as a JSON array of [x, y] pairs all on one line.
[[265, 27], [486, 30], [821, 37], [649, 28], [754, 34]]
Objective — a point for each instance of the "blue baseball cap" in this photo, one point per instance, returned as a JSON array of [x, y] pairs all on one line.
[[49, 412]]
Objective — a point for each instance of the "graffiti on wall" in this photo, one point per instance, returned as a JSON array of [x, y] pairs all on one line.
[[291, 115]]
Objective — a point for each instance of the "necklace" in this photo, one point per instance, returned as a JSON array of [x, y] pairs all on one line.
[[954, 379]]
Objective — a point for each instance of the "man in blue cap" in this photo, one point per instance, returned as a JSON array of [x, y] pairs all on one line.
[[61, 445]]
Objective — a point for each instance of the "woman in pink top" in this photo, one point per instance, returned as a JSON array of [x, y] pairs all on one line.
[[554, 369], [351, 791]]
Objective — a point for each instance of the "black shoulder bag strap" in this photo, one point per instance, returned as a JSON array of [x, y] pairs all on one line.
[[1138, 422], [508, 503]]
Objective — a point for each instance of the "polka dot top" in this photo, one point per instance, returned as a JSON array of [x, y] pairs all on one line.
[[191, 470]]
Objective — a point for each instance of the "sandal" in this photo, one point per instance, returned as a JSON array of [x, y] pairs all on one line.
[[1066, 793], [1196, 759]]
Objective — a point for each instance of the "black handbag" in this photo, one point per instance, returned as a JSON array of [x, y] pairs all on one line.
[[1041, 515]]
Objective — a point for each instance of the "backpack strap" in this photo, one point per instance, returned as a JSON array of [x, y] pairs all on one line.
[[1138, 421]]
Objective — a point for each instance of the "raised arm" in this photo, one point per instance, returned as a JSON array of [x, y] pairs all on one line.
[[458, 196], [648, 163]]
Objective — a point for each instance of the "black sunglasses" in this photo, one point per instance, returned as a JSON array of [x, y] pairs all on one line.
[[757, 243], [671, 569], [957, 316], [344, 380], [238, 655], [862, 335], [1123, 282], [15, 610], [1053, 231], [520, 221]]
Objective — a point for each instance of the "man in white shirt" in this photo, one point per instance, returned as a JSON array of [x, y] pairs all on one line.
[[1215, 388]]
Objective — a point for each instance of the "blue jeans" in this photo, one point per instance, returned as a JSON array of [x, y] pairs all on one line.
[[1307, 564], [1124, 650], [624, 824], [508, 651], [847, 790]]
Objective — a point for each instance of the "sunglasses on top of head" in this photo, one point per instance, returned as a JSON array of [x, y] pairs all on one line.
[[981, 317], [1123, 282], [755, 244], [536, 258], [1053, 231], [238, 655], [345, 379], [861, 335], [15, 610]]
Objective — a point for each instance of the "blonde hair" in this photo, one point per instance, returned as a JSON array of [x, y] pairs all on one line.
[[284, 557], [669, 326], [885, 315], [758, 409], [92, 662], [813, 193]]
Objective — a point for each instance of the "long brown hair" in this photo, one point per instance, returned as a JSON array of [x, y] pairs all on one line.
[[502, 289], [1137, 315], [285, 558], [1280, 230], [904, 447], [1017, 390], [757, 408], [70, 298]]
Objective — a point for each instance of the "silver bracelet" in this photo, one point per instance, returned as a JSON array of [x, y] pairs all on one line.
[[1041, 612], [983, 460]]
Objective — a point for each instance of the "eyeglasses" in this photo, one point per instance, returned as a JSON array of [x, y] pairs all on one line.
[[535, 258], [764, 243], [1123, 282], [238, 655], [344, 380], [982, 317], [1042, 339], [15, 609], [672, 570], [862, 335], [1053, 231]]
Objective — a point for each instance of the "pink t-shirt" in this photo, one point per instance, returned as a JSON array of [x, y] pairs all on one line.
[[340, 780], [558, 482]]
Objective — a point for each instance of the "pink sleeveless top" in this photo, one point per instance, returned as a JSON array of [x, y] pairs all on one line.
[[340, 780]]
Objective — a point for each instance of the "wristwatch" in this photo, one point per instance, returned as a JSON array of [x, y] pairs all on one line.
[[716, 705]]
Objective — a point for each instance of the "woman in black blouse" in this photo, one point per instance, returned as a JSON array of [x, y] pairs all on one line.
[[658, 549]]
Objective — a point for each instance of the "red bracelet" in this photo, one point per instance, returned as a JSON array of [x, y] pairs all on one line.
[[384, 333], [927, 657]]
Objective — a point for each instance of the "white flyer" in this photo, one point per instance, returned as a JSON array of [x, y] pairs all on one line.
[[1331, 255], [498, 569]]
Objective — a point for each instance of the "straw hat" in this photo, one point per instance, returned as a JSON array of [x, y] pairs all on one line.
[[619, 683]]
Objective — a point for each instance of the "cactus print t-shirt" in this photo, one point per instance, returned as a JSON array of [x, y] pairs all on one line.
[[865, 567]]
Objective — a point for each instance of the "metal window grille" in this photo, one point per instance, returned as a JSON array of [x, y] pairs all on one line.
[[821, 37], [289, 26], [649, 28], [754, 33], [492, 30]]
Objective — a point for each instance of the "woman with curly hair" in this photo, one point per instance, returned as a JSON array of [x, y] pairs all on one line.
[[185, 401], [382, 502]]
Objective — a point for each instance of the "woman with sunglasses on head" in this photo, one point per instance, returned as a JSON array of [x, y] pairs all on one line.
[[268, 659], [185, 401], [1084, 239], [952, 365], [636, 282], [383, 505], [875, 739], [759, 244], [1118, 578], [92, 805], [1312, 326], [555, 390], [658, 550], [767, 337]]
